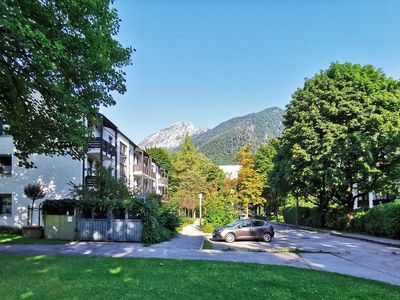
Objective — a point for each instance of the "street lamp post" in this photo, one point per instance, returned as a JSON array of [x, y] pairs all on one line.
[[201, 198]]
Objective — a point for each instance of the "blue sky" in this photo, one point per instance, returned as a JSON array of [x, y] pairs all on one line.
[[208, 61]]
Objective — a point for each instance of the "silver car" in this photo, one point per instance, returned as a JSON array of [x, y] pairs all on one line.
[[245, 230]]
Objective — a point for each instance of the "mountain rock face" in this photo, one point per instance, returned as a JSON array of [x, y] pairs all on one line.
[[171, 137], [222, 142]]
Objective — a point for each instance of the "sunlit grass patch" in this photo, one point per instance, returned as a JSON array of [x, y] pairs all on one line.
[[66, 277]]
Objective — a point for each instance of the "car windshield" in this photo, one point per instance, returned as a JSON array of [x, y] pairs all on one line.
[[234, 223]]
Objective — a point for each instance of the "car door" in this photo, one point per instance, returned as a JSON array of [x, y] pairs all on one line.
[[258, 228], [244, 230]]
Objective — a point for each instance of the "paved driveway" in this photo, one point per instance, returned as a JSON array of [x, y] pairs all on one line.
[[366, 255]]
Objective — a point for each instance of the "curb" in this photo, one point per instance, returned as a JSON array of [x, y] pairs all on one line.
[[343, 235]]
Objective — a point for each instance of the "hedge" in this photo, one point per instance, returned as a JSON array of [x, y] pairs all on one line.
[[308, 216], [381, 220]]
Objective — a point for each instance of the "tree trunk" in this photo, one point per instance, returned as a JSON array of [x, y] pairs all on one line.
[[33, 204], [349, 210], [323, 211]]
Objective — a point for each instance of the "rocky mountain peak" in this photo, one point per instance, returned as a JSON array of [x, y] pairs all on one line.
[[171, 137]]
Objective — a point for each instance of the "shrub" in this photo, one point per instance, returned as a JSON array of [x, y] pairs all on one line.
[[169, 220], [208, 228], [307, 216], [336, 218], [10, 230], [383, 220], [159, 224]]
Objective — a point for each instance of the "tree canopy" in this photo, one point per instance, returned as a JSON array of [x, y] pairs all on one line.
[[59, 62], [250, 183], [342, 135]]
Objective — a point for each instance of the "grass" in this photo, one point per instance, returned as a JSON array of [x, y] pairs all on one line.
[[12, 238], [64, 277]]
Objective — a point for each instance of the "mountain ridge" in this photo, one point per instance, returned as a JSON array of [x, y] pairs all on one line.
[[222, 142]]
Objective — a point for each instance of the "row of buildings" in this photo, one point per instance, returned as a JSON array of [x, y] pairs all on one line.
[[110, 148]]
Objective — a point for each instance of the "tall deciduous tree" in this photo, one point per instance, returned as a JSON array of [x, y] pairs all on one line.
[[59, 62], [264, 163], [250, 183], [342, 135]]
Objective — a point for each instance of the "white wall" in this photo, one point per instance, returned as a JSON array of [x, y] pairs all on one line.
[[54, 173]]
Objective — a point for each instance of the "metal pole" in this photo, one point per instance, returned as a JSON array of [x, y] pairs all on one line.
[[200, 197]]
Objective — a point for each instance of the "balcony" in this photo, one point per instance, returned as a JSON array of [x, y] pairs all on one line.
[[108, 149], [163, 181], [91, 181], [140, 169]]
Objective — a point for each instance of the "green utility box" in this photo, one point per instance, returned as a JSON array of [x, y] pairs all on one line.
[[60, 227]]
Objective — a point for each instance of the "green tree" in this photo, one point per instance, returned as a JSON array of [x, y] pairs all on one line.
[[189, 178], [342, 135], [59, 62], [264, 163], [194, 174], [162, 157], [108, 191], [34, 192], [250, 183]]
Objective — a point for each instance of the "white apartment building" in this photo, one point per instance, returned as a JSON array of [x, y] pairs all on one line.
[[111, 148]]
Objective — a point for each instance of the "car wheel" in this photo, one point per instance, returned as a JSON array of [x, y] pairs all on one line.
[[230, 238], [267, 237]]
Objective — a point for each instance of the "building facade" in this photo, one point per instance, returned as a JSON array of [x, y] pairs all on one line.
[[110, 148]]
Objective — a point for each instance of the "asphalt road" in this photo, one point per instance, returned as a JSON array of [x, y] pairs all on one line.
[[364, 254]]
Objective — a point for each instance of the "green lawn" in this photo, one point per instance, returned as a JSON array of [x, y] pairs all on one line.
[[11, 238], [63, 277]]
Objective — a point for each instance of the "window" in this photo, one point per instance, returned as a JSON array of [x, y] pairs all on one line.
[[5, 164], [3, 127], [258, 223], [5, 204], [246, 224]]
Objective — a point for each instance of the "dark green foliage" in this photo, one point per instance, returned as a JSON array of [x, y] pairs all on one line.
[[307, 216], [34, 192], [336, 218], [169, 219], [60, 206], [341, 129], [10, 230], [162, 157], [159, 224], [382, 220], [59, 62], [221, 143], [106, 193]]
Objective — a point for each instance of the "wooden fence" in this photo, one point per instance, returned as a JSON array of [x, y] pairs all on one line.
[[128, 230]]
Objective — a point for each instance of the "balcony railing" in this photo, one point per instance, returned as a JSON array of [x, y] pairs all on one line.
[[91, 181], [140, 168], [163, 180], [107, 147]]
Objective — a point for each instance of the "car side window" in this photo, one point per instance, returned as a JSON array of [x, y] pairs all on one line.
[[246, 224], [258, 223]]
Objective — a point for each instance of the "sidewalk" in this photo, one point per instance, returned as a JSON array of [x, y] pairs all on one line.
[[358, 236]]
